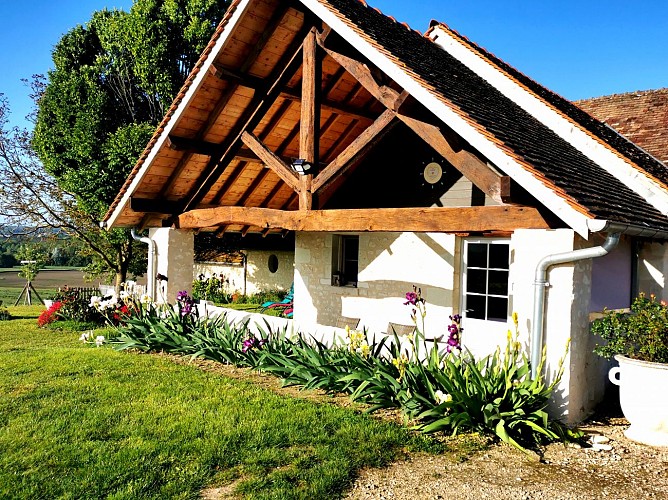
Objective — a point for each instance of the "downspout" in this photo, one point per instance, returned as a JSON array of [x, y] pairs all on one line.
[[541, 284], [150, 271]]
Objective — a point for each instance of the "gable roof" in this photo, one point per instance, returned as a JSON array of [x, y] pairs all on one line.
[[641, 117], [594, 175]]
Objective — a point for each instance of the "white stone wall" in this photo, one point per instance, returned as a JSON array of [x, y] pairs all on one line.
[[567, 307], [652, 269], [258, 276], [389, 265], [175, 249]]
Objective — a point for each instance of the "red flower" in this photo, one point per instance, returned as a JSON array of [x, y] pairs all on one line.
[[49, 316]]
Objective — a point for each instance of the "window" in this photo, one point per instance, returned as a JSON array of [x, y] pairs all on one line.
[[345, 257], [486, 283], [272, 263]]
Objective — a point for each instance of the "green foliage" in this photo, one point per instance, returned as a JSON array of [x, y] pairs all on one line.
[[641, 334], [112, 82], [448, 392], [4, 313], [211, 288]]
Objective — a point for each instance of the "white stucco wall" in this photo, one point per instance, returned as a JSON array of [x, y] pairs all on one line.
[[258, 276], [652, 269], [175, 249], [389, 265], [567, 308]]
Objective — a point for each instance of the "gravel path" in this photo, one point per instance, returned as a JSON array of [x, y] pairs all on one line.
[[626, 471]]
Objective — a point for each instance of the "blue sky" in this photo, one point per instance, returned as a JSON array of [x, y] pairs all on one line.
[[578, 49]]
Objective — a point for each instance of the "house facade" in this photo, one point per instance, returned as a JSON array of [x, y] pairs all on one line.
[[401, 159]]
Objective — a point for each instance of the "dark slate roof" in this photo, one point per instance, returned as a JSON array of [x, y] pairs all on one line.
[[579, 180], [641, 117]]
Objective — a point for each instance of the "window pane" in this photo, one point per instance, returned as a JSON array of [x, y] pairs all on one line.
[[499, 256], [475, 307], [498, 283], [476, 281], [497, 309], [476, 255]]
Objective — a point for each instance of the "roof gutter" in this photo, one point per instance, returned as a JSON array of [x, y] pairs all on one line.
[[150, 271], [614, 231]]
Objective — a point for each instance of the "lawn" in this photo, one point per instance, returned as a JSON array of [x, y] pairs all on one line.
[[82, 422]]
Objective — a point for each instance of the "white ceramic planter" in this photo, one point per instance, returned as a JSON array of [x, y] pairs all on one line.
[[643, 398]]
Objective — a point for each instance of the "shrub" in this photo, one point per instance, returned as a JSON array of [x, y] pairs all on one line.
[[211, 288], [76, 307], [4, 313], [641, 334]]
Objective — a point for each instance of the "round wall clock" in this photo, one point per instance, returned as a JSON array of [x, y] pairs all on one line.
[[432, 174]]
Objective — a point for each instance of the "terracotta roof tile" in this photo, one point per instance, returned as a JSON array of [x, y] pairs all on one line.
[[641, 117]]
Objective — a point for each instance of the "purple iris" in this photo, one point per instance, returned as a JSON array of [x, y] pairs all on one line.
[[252, 343], [411, 298]]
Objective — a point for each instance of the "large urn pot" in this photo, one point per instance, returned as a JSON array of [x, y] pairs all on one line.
[[643, 396]]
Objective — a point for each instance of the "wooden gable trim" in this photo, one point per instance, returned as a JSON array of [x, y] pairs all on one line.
[[433, 219]]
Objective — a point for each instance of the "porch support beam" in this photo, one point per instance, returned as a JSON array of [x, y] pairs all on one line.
[[271, 160], [432, 219], [362, 143], [310, 116]]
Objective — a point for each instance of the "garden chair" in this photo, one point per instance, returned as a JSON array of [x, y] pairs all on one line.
[[286, 302], [343, 321], [400, 330]]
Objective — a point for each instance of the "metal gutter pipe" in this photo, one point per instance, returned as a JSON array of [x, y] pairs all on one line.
[[150, 271], [541, 283]]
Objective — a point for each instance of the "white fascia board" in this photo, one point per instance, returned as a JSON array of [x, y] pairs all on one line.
[[576, 220], [652, 191], [185, 102]]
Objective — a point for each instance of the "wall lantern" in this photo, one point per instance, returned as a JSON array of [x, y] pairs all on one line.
[[301, 166]]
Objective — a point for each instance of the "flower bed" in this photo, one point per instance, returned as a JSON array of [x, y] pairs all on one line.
[[444, 390]]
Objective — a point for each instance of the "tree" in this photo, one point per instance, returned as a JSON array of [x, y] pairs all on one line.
[[113, 80], [32, 202]]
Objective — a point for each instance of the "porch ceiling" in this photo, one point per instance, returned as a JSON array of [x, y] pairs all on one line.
[[275, 84]]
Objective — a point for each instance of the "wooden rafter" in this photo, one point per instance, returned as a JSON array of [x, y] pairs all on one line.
[[432, 219], [472, 167], [260, 104], [357, 148], [271, 160]]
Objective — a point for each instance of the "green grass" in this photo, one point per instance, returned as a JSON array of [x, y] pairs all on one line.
[[82, 422]]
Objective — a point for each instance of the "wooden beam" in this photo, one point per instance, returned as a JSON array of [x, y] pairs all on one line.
[[432, 219], [472, 167], [152, 206], [244, 79], [310, 116], [271, 160], [365, 75], [365, 141], [260, 104], [193, 146]]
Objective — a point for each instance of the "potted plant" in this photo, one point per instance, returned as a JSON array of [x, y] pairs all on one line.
[[638, 340]]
